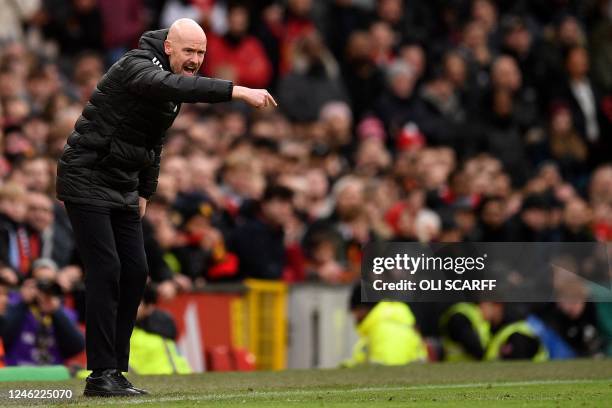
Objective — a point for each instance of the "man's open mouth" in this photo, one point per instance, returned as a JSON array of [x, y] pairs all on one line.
[[189, 70]]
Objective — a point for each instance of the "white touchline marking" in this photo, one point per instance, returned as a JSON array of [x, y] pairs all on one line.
[[323, 392]]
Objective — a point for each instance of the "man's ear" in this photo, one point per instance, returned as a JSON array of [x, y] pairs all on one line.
[[167, 47]]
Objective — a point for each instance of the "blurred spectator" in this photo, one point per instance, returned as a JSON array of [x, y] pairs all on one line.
[[414, 55], [573, 317], [398, 105], [501, 136], [123, 24], [443, 114], [518, 41], [238, 56], [347, 223], [363, 79], [493, 221], [567, 147], [200, 246], [475, 50], [76, 25], [259, 242], [576, 222], [14, 15], [15, 246], [567, 33], [296, 25], [532, 223], [315, 73], [337, 120], [38, 330], [384, 41], [585, 102]]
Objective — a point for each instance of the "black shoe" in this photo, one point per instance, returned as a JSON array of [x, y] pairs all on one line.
[[107, 384], [127, 384]]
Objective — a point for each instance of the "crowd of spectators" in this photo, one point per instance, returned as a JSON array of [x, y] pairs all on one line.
[[430, 121]]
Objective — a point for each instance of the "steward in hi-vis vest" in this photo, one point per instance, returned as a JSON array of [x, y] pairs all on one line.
[[465, 332], [516, 341]]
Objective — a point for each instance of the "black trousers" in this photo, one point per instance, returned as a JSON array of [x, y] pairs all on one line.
[[111, 247]]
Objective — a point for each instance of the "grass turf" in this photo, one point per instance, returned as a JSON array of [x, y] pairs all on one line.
[[581, 383]]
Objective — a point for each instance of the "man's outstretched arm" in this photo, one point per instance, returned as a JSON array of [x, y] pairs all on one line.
[[146, 79]]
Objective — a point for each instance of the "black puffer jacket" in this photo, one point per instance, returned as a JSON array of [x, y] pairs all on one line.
[[113, 155]]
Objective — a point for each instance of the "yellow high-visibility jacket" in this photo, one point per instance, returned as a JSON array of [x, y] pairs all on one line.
[[153, 354], [501, 337], [454, 351], [388, 336]]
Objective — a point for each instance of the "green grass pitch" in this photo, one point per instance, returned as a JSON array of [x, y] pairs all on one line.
[[578, 383]]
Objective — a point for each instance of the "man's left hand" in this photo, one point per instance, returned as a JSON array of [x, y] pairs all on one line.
[[142, 206]]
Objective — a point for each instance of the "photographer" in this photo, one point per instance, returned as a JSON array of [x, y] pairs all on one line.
[[38, 330]]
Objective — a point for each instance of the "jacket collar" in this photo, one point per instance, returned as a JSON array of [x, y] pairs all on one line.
[[153, 41]]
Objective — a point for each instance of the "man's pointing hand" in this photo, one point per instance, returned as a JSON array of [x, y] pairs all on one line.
[[258, 98]]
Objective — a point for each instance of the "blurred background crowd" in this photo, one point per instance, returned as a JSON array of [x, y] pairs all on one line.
[[430, 121]]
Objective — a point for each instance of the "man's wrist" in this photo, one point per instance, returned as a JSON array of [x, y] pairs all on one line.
[[237, 92]]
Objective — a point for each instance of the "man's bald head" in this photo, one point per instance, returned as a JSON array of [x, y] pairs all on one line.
[[185, 46], [187, 30]]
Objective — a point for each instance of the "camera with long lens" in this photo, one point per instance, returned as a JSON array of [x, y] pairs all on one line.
[[49, 287]]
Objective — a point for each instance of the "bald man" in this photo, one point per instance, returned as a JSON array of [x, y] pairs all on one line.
[[108, 171]]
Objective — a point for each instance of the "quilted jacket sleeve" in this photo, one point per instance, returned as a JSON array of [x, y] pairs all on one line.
[[146, 79]]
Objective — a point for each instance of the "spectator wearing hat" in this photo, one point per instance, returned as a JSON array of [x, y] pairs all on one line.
[[532, 224]]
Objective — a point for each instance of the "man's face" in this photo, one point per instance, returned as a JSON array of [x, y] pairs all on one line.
[[278, 212], [37, 175], [535, 218], [186, 53], [238, 21], [40, 211], [493, 214]]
